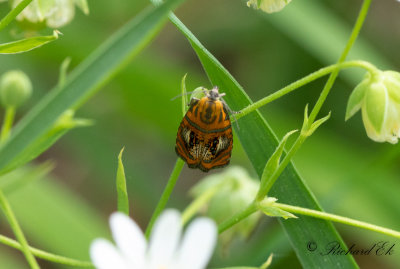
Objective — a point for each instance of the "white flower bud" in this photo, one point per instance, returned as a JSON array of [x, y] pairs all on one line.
[[378, 97], [268, 6]]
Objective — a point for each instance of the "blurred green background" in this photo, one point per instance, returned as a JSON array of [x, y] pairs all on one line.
[[349, 174]]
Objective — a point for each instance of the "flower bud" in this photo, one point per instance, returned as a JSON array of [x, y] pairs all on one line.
[[15, 88], [378, 97], [236, 190], [55, 13], [268, 6]]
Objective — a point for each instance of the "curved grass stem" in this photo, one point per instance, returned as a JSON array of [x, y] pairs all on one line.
[[303, 81], [5, 206], [45, 255], [7, 123], [339, 219], [165, 195]]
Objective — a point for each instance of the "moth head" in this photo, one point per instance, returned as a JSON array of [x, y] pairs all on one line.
[[214, 94]]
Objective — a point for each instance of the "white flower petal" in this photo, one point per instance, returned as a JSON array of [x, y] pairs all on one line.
[[197, 245], [129, 238], [105, 256], [164, 238]]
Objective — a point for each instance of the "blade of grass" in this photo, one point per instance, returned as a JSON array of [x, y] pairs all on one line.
[[94, 72], [259, 142]]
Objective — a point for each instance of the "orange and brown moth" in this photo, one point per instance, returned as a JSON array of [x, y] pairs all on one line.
[[204, 138]]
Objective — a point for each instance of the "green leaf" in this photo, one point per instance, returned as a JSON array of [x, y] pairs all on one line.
[[290, 188], [63, 71], [184, 95], [123, 201], [27, 44], [356, 98], [83, 82], [272, 164]]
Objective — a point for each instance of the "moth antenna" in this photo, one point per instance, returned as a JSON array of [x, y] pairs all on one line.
[[180, 95]]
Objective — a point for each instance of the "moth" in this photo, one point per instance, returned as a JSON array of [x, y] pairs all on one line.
[[204, 138]]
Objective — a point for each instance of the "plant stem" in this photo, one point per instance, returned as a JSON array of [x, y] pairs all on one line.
[[301, 138], [303, 81], [7, 123], [195, 205], [165, 195], [354, 34], [250, 209], [336, 218], [45, 255], [13, 13], [5, 206]]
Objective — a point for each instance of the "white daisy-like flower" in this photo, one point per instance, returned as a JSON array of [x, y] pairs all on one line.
[[165, 249]]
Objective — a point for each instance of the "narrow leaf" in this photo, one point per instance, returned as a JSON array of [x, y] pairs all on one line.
[[184, 95], [123, 201], [63, 71], [27, 44]]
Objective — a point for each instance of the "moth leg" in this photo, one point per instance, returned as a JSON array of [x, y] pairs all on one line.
[[228, 110]]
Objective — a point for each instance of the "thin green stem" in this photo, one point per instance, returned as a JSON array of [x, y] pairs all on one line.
[[336, 218], [7, 123], [5, 206], [45, 255], [302, 137], [13, 13], [165, 195], [250, 209], [328, 86], [303, 81], [198, 203]]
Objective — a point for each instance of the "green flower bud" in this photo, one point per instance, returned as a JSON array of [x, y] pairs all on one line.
[[378, 97], [15, 88], [268, 6], [235, 191]]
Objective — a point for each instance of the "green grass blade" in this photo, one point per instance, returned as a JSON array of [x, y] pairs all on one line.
[[123, 201], [27, 44], [259, 142], [96, 70]]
